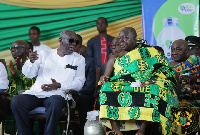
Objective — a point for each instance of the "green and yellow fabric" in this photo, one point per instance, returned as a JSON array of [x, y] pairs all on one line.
[[120, 101], [18, 82]]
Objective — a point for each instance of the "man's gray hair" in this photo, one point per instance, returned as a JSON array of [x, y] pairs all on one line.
[[63, 34]]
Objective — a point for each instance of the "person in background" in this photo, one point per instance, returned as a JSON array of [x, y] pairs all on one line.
[[116, 49], [34, 36], [58, 71], [189, 73], [17, 80], [30, 46], [3, 90], [194, 44], [3, 77], [98, 46], [188, 69], [84, 98]]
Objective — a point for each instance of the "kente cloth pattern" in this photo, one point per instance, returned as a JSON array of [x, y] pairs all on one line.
[[18, 82], [120, 101], [190, 91]]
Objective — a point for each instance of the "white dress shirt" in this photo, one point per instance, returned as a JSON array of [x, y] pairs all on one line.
[[51, 65], [3, 77], [41, 47]]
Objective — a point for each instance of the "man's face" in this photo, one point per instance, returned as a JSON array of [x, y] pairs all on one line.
[[101, 25], [34, 36], [17, 50], [178, 51], [115, 47], [195, 50], [127, 40], [69, 43]]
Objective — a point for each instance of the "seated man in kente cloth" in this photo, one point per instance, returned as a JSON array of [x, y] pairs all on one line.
[[142, 87], [187, 67]]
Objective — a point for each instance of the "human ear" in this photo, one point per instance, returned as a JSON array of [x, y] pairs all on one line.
[[60, 40]]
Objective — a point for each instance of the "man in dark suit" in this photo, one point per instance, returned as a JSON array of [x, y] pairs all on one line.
[[98, 46], [84, 98]]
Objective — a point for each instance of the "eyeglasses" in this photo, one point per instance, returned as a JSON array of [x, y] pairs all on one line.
[[16, 47], [72, 40]]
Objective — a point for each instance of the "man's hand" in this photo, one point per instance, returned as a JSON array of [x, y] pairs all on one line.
[[33, 56], [145, 83], [18, 63], [13, 69], [70, 91], [19, 92], [103, 79], [48, 87]]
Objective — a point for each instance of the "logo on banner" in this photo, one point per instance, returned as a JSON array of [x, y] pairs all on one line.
[[186, 8]]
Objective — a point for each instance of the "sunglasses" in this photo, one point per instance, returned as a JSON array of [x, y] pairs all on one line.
[[16, 47], [72, 40]]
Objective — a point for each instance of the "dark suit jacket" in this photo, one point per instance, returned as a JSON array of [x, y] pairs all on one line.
[[94, 48], [90, 74]]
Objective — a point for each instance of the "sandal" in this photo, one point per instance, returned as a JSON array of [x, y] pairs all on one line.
[[111, 133]]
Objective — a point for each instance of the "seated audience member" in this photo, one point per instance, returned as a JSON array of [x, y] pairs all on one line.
[[17, 80], [140, 76], [160, 50], [194, 44], [194, 51], [30, 46], [3, 77], [3, 90], [34, 36], [85, 100], [187, 67], [116, 49], [58, 71]]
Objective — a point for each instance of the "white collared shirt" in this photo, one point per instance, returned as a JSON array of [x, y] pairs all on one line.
[[51, 65], [41, 47], [3, 77]]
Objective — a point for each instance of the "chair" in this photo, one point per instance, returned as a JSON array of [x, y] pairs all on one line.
[[38, 114]]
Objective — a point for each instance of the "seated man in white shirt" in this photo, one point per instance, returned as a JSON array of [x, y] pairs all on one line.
[[57, 71], [34, 36], [3, 77], [3, 90]]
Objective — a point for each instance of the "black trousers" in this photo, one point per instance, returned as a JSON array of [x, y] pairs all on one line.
[[22, 104], [84, 103]]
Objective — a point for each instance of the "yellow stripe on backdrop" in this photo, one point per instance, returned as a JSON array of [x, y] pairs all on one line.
[[54, 4], [113, 29]]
